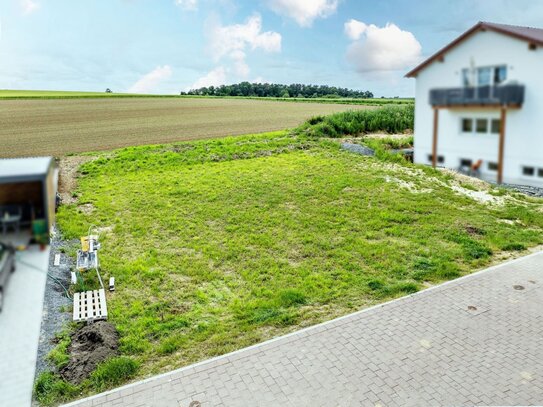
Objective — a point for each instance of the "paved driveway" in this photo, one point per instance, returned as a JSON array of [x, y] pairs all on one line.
[[20, 327], [475, 341]]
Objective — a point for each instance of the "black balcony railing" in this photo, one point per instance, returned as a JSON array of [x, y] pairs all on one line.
[[504, 95]]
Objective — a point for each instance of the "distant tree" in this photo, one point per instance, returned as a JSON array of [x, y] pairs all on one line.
[[108, 90], [278, 90]]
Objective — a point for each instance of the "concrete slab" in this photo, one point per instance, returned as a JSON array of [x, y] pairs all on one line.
[[20, 327]]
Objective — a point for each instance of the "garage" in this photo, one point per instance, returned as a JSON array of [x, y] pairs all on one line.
[[28, 188]]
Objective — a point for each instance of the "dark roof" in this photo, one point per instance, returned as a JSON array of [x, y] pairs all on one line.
[[529, 34]]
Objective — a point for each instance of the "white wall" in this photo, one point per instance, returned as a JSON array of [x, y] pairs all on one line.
[[524, 127]]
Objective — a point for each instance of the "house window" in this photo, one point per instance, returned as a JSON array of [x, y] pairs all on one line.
[[495, 126], [440, 158], [528, 171], [500, 74], [481, 125], [484, 76], [467, 125], [465, 162], [540, 172], [466, 77], [492, 166]]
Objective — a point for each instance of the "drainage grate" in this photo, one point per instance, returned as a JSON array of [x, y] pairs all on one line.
[[90, 306]]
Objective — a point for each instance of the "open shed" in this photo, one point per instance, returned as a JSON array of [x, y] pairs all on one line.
[[28, 188]]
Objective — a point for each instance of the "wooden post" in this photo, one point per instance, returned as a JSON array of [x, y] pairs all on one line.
[[434, 142], [501, 145]]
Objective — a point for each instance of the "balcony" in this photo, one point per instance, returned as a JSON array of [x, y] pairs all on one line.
[[511, 95]]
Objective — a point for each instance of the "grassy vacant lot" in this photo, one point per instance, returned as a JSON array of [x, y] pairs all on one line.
[[62, 126], [216, 245]]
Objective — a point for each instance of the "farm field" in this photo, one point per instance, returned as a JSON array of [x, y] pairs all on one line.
[[63, 126], [219, 244]]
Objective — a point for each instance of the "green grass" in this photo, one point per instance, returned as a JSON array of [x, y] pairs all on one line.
[[217, 245], [59, 94], [389, 119]]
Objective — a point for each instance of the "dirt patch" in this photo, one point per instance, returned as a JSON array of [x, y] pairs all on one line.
[[68, 172], [473, 230], [87, 209], [90, 346]]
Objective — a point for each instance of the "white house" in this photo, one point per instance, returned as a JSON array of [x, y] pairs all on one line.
[[480, 100]]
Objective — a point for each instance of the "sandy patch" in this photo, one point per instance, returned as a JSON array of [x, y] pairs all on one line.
[[68, 173]]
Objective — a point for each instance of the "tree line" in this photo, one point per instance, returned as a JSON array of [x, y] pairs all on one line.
[[295, 90]]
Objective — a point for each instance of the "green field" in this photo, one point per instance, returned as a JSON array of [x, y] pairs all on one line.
[[51, 94], [60, 94], [63, 126], [216, 245]]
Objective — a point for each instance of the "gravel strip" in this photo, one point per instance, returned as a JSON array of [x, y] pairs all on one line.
[[56, 307], [357, 149], [525, 189]]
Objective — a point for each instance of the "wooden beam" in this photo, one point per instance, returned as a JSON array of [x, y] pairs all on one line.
[[434, 141], [501, 144]]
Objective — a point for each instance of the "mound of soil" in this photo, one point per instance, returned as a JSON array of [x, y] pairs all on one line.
[[91, 345]]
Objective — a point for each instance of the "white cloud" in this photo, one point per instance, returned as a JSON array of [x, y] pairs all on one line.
[[381, 49], [232, 42], [190, 5], [354, 29], [148, 82], [29, 6], [304, 12], [216, 77], [229, 39]]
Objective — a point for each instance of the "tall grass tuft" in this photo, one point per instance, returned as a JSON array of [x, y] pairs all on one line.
[[388, 119]]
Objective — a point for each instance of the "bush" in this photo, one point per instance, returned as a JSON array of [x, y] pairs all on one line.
[[389, 119], [114, 372]]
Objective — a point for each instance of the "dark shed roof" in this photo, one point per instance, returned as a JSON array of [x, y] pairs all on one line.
[[529, 34]]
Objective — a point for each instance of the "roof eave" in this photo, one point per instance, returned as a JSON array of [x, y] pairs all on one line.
[[481, 25]]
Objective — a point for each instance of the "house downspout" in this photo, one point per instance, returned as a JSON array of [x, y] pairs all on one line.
[[501, 144]]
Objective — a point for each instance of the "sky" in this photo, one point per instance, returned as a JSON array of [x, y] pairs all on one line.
[[168, 46]]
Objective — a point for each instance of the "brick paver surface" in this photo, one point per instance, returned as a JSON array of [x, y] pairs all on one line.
[[475, 341]]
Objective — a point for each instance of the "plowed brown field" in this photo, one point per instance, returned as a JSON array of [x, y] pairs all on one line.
[[61, 126]]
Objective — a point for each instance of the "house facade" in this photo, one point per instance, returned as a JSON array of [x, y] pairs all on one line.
[[479, 103]]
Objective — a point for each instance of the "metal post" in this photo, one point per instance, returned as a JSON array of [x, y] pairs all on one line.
[[434, 142], [501, 144]]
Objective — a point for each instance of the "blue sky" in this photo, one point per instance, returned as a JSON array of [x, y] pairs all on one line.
[[165, 46]]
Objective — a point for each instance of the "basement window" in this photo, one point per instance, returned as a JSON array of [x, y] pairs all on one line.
[[481, 125], [495, 126], [465, 162], [492, 166], [540, 172], [467, 125], [528, 171], [440, 159]]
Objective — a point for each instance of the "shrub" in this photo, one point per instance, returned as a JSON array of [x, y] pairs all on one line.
[[114, 372], [389, 119]]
